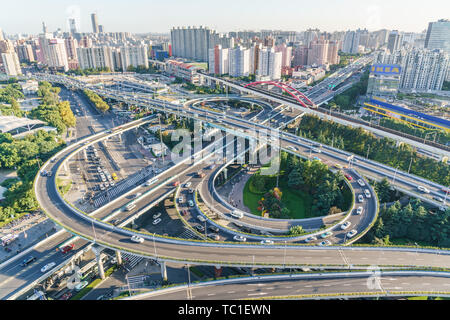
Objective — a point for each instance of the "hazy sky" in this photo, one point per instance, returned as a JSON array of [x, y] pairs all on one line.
[[26, 16]]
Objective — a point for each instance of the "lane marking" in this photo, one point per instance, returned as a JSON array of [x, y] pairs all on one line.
[[257, 294]]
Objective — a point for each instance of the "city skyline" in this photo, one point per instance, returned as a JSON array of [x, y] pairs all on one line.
[[156, 17]]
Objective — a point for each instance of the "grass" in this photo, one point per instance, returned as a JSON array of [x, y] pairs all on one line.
[[63, 185], [197, 272]]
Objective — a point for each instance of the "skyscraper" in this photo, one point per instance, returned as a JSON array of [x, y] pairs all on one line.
[[394, 41], [73, 25], [351, 42], [218, 60], [1, 35], [11, 64], [239, 62], [270, 63], [191, 43], [438, 35], [94, 20]]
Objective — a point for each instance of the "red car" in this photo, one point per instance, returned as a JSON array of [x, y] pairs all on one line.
[[68, 248], [176, 183], [445, 190], [184, 212], [349, 177], [66, 296]]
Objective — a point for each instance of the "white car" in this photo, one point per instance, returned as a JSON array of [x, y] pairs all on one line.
[[367, 193], [156, 221], [351, 233], [201, 218], [137, 239], [326, 234], [240, 238], [292, 148], [81, 285], [310, 239], [345, 225], [187, 185], [157, 215], [325, 243], [361, 183], [316, 150], [359, 210], [360, 198], [48, 267], [137, 195], [237, 214], [423, 189], [267, 241], [180, 200]]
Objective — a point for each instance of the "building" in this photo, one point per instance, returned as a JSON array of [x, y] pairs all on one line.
[[300, 56], [318, 52], [218, 60], [394, 41], [191, 43], [94, 21], [254, 58], [25, 52], [135, 56], [57, 54], [384, 80], [351, 42], [185, 71], [239, 62], [438, 36], [29, 87], [2, 37], [333, 52], [71, 47], [11, 64], [269, 66], [95, 57], [286, 55], [73, 26]]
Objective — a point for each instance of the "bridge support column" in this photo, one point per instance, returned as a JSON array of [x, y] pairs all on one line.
[[163, 270], [101, 271], [119, 257], [217, 271]]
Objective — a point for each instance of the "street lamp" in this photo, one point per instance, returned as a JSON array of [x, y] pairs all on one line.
[[189, 295], [395, 173]]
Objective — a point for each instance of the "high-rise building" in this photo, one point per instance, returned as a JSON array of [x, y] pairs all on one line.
[[191, 43], [71, 47], [254, 57], [136, 56], [44, 27], [351, 42], [438, 35], [57, 55], [218, 60], [73, 25], [318, 52], [394, 41], [286, 51], [25, 52], [2, 37], [333, 52], [269, 65], [11, 64], [95, 57], [100, 28], [94, 20], [300, 56], [239, 62]]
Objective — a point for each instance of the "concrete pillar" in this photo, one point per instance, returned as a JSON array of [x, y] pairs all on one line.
[[163, 270], [101, 271], [119, 257]]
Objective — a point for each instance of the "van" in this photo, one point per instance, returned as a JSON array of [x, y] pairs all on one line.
[[237, 214]]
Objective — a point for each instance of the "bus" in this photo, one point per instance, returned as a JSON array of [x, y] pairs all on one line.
[[8, 239]]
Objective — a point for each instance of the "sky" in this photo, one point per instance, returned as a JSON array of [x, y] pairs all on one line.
[[159, 16]]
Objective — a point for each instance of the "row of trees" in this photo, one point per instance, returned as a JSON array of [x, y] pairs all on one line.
[[53, 111], [96, 100], [89, 71], [383, 150], [412, 222], [25, 155]]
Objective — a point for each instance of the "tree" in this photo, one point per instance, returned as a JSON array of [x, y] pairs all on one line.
[[295, 179], [296, 230]]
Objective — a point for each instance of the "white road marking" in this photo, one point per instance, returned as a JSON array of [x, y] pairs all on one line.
[[346, 284], [426, 284], [272, 288], [231, 292], [251, 290], [308, 286], [327, 285], [256, 294], [288, 287], [211, 294]]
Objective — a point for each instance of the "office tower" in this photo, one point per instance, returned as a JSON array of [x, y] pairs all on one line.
[[269, 64], [11, 64], [394, 41], [136, 56], [73, 26], [351, 42], [300, 56], [191, 43], [438, 35], [218, 60], [95, 57], [94, 23], [239, 62]]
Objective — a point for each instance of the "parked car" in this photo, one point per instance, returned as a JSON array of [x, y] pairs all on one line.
[[351, 233], [157, 215], [156, 221], [345, 225]]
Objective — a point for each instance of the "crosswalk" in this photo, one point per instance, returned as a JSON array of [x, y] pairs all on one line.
[[188, 234], [130, 260], [123, 186]]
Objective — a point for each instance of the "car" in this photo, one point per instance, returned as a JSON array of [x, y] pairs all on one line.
[[49, 174], [81, 285], [44, 173], [112, 183], [66, 296], [184, 212], [266, 241], [345, 225], [156, 221], [200, 228], [201, 218], [137, 239], [150, 182], [316, 150], [157, 215], [310, 239], [137, 195], [292, 148], [367, 193], [191, 203], [106, 184], [214, 229], [176, 183], [53, 160], [27, 261], [359, 210], [348, 177], [68, 248], [187, 184], [102, 187], [318, 145], [317, 159], [325, 243], [423, 189], [214, 236], [337, 166], [361, 182], [360, 198], [47, 267], [240, 238], [326, 234], [237, 214], [351, 233], [191, 190]]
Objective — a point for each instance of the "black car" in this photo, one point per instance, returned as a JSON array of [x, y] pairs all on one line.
[[214, 229], [199, 228], [28, 260]]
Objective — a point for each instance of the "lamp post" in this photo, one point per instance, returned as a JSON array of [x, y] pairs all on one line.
[[189, 296], [395, 173]]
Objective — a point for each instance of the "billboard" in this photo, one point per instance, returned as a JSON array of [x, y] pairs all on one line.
[[386, 69]]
